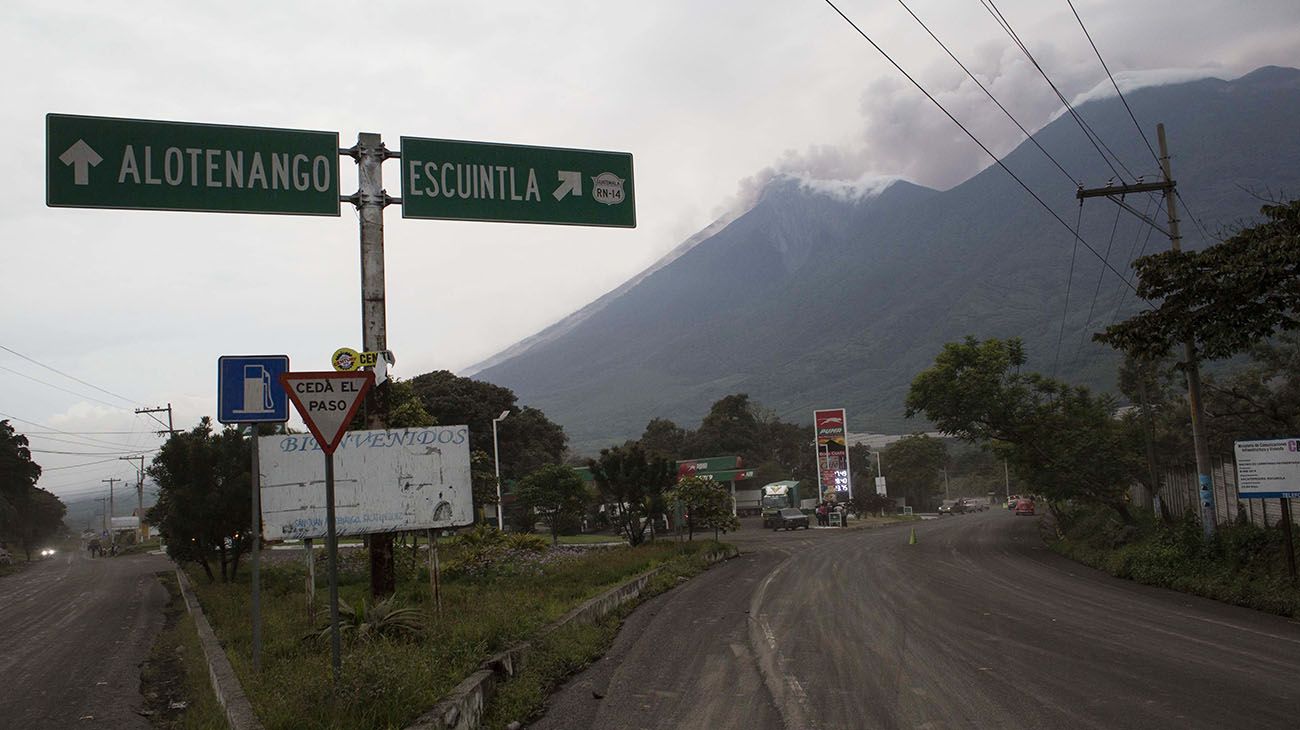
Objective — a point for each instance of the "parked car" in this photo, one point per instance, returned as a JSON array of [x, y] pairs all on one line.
[[954, 507], [789, 518], [1025, 507]]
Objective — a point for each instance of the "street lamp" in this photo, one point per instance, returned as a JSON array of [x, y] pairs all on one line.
[[496, 461]]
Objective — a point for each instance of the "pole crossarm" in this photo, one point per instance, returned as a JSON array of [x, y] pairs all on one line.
[[1109, 190]]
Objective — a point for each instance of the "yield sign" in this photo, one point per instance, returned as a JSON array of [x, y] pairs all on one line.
[[327, 401]]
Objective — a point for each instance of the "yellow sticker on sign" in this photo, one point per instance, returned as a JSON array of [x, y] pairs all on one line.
[[345, 359]]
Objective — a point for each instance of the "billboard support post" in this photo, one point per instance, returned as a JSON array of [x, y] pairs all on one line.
[[311, 579], [332, 545]]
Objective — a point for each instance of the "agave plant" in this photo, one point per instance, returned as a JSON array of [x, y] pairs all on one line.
[[385, 617]]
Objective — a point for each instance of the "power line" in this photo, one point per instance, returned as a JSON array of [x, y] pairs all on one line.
[[1094, 138], [988, 93], [74, 441], [1133, 116], [70, 377], [1100, 275], [55, 430], [91, 453], [83, 433], [76, 466], [1111, 76], [1069, 280], [57, 387], [1078, 238], [1150, 229]]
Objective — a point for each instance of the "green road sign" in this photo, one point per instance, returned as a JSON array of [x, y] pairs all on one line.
[[101, 162], [479, 181]]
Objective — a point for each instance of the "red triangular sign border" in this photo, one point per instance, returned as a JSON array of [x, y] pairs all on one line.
[[328, 445]]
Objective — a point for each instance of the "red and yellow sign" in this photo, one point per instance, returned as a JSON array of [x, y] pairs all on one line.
[[833, 479]]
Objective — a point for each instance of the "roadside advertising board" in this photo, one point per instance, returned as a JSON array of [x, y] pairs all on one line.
[[1268, 469], [385, 481], [694, 467], [832, 453]]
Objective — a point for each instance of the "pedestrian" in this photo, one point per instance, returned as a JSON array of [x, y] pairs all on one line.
[[822, 519]]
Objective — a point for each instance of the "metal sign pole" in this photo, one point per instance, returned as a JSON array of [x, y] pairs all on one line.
[[332, 545], [255, 533]]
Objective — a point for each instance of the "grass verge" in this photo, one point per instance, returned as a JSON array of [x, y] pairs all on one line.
[[571, 648], [589, 539], [1244, 564], [174, 678], [491, 599]]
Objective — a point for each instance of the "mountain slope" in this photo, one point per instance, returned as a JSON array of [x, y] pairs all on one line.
[[813, 299]]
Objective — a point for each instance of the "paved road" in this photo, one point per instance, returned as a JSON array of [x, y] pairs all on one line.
[[978, 625], [73, 632]]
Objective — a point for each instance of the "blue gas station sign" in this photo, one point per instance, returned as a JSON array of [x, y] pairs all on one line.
[[249, 390]]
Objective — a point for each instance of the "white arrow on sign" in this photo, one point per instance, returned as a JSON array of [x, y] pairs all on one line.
[[81, 157], [570, 182]]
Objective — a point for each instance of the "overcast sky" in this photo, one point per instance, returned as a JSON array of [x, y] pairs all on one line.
[[711, 99]]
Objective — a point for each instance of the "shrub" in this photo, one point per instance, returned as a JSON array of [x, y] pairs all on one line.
[[384, 618]]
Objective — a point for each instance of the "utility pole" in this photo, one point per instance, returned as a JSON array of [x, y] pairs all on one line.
[[149, 411], [1006, 478], [112, 536], [103, 511], [139, 493], [370, 201], [1190, 364]]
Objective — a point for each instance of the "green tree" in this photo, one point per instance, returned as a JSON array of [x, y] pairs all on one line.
[[1060, 439], [1224, 298], [912, 469], [631, 484], [29, 515], [556, 494], [707, 505], [527, 439], [42, 519], [664, 438], [730, 427], [203, 497], [1260, 399], [18, 476]]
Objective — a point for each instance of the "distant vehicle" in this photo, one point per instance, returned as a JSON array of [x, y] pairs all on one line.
[[778, 496], [47, 553], [953, 507], [789, 518], [1025, 507], [5, 557], [974, 505]]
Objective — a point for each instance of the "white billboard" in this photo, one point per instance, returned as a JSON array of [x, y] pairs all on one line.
[[384, 481], [1268, 469]]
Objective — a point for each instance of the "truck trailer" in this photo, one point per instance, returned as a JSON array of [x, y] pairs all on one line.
[[777, 496]]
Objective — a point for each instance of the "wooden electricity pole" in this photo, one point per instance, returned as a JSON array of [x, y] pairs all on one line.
[[1190, 365]]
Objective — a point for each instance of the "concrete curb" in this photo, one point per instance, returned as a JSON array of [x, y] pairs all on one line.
[[239, 713], [463, 707]]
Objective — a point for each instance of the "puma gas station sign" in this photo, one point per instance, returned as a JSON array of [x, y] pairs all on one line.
[[102, 162], [479, 181]]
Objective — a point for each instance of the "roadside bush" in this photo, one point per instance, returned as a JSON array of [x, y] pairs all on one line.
[[1244, 564], [385, 618]]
